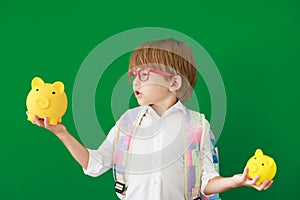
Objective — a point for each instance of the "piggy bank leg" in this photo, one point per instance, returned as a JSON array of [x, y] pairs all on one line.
[[30, 117], [259, 182], [53, 121]]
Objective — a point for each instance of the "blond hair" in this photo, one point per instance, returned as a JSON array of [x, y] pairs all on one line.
[[171, 56]]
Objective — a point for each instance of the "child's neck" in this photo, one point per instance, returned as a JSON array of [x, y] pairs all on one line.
[[162, 107]]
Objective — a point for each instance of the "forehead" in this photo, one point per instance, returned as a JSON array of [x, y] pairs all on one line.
[[146, 55], [141, 67]]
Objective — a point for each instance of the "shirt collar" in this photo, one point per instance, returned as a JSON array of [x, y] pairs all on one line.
[[177, 106]]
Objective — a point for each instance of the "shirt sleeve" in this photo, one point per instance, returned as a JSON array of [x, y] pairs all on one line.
[[208, 170], [101, 159]]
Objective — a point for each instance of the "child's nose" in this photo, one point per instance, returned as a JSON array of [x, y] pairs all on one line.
[[136, 81]]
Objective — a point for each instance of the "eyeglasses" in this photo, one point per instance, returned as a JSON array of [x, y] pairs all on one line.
[[144, 73]]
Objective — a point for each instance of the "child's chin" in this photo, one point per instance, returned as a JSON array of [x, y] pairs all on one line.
[[142, 103]]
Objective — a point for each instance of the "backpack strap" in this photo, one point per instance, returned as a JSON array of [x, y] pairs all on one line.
[[196, 127], [215, 159], [122, 148]]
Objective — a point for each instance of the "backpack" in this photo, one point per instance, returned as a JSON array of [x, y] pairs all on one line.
[[195, 125]]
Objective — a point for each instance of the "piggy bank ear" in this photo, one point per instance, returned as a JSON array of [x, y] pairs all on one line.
[[258, 152], [270, 161], [37, 81], [59, 86]]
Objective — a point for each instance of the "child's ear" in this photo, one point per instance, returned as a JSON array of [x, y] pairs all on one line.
[[176, 83]]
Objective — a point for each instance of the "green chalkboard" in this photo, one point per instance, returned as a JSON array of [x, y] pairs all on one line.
[[254, 44]]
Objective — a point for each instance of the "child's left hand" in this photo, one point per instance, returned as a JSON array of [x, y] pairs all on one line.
[[243, 180]]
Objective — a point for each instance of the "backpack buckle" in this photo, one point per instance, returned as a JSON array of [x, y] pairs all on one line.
[[120, 187]]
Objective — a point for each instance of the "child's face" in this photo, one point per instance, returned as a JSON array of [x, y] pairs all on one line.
[[150, 86]]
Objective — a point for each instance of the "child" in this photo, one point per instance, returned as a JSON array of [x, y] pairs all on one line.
[[160, 150]]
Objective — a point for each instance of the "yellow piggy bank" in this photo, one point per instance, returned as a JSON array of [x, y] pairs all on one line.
[[261, 165], [46, 100]]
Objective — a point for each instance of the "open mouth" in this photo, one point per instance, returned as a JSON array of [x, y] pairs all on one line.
[[137, 93]]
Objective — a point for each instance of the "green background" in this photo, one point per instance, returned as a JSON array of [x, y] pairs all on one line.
[[255, 45]]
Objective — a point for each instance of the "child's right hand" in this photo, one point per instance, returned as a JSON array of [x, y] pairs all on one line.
[[58, 129]]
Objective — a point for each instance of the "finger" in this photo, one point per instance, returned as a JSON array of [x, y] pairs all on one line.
[[253, 182], [245, 173], [37, 121], [46, 123], [268, 185], [263, 185]]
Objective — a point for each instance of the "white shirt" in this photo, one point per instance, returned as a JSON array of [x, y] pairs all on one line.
[[157, 164]]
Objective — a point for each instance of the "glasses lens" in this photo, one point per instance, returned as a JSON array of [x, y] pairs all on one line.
[[144, 74]]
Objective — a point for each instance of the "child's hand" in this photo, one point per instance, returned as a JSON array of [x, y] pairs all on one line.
[[243, 180], [58, 129]]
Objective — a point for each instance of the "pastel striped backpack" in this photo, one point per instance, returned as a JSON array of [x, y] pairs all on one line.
[[195, 126]]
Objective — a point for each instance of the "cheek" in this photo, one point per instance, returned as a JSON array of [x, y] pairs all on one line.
[[157, 80], [159, 93], [155, 89]]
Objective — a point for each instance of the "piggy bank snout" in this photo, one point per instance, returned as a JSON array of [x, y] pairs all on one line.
[[252, 167], [41, 102]]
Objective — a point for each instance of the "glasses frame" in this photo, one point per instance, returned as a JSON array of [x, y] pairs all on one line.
[[137, 73]]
